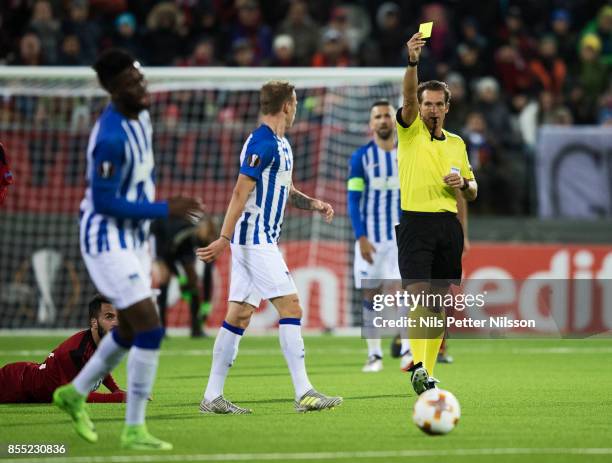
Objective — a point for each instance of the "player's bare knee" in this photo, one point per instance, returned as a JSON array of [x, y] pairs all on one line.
[[288, 306], [239, 314], [292, 311], [244, 318], [243, 322]]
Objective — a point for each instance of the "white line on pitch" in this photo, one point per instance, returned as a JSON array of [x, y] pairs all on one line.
[[316, 455]]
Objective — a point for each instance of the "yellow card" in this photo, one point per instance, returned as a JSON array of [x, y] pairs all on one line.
[[425, 28]]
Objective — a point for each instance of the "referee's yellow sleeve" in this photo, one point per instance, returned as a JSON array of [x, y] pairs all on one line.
[[404, 130]]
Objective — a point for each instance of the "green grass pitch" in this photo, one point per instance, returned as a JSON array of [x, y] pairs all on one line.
[[522, 400]]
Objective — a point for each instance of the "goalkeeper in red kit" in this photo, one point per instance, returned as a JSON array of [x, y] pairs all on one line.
[[26, 382]]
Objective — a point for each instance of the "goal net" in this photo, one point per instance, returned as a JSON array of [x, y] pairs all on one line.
[[201, 118]]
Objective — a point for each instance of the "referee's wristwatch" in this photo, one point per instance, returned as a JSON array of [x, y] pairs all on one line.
[[466, 184]]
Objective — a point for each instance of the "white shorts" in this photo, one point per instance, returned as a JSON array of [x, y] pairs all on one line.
[[385, 266], [259, 272], [122, 275]]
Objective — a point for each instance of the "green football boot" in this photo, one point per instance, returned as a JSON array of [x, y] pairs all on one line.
[[136, 437], [69, 400]]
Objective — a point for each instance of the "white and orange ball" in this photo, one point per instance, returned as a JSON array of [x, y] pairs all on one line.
[[436, 411]]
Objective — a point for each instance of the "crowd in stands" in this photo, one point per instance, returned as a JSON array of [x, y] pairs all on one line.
[[511, 65]]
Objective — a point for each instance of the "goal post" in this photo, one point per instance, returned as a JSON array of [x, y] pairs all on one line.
[[201, 117]]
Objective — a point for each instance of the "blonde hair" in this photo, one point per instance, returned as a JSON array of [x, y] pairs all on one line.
[[273, 95]]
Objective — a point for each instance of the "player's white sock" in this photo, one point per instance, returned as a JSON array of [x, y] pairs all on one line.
[[292, 344], [141, 369], [374, 347], [106, 357], [224, 354]]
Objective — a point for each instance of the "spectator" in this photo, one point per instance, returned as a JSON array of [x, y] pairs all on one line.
[[548, 69], [126, 35], [471, 35], [47, 28], [512, 70], [203, 54], [304, 32], [163, 38], [87, 32], [250, 27], [442, 37], [481, 153], [601, 27], [479, 146], [494, 110], [243, 54], [469, 63], [333, 52], [70, 52], [547, 110], [30, 51], [391, 35], [352, 23], [496, 180], [564, 36], [455, 118], [283, 48], [591, 78], [513, 33], [205, 23]]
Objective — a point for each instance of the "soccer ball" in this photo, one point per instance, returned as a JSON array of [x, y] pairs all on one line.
[[436, 411]]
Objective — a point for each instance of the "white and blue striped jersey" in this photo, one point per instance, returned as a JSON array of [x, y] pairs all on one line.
[[373, 172], [268, 160], [118, 204]]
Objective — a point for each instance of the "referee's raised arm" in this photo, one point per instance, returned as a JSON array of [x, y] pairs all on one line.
[[410, 106]]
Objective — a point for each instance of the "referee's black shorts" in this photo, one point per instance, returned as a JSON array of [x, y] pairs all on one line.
[[430, 245]]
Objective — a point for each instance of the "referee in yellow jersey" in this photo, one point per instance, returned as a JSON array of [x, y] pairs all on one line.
[[433, 172]]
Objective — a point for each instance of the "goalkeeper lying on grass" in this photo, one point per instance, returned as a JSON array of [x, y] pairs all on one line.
[[25, 382]]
